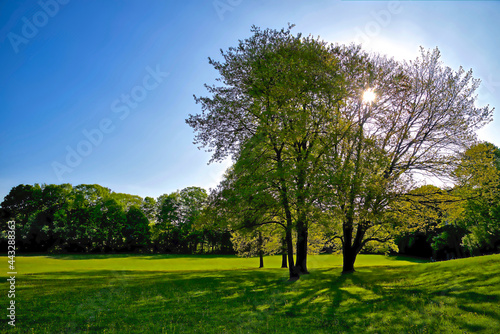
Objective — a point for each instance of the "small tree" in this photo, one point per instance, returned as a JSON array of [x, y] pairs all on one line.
[[265, 240]]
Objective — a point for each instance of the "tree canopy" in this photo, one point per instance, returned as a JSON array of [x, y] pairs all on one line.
[[290, 112]]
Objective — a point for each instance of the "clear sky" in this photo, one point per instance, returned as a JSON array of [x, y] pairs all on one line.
[[97, 91]]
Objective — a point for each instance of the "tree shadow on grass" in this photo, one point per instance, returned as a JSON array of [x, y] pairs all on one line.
[[413, 259], [386, 299], [133, 255], [411, 304]]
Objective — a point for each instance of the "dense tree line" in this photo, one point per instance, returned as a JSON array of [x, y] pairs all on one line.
[[437, 223], [462, 220], [92, 218]]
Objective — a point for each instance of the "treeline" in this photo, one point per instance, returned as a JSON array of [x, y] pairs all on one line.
[[456, 222], [433, 223], [91, 218]]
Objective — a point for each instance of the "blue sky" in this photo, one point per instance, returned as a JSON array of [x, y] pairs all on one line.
[[98, 91]]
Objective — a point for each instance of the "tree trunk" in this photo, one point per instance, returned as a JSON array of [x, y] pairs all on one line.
[[283, 253], [349, 257], [302, 231], [348, 249], [302, 248], [261, 253], [283, 260], [294, 273]]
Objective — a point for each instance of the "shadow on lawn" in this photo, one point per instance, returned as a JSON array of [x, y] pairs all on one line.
[[428, 298], [375, 301], [88, 256], [413, 259]]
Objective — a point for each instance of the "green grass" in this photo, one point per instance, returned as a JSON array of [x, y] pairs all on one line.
[[224, 294], [85, 263]]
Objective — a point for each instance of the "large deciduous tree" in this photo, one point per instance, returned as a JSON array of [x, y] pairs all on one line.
[[423, 117], [271, 114], [292, 110]]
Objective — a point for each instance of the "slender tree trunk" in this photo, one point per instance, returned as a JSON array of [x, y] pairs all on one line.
[[302, 230], [283, 253], [261, 252], [284, 261], [302, 248], [294, 273]]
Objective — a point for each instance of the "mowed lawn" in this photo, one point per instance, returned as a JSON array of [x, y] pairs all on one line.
[[226, 294]]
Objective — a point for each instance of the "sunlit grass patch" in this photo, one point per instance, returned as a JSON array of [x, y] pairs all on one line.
[[84, 263], [447, 297]]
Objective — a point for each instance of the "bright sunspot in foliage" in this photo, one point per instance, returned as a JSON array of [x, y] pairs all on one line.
[[369, 96]]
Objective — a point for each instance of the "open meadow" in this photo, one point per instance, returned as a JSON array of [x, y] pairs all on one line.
[[141, 139], [226, 294]]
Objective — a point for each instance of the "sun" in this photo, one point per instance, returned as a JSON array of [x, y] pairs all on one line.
[[369, 96]]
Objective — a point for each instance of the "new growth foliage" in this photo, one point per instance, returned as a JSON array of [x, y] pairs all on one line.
[[290, 112]]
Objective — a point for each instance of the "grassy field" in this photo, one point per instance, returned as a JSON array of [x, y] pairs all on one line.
[[224, 294]]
